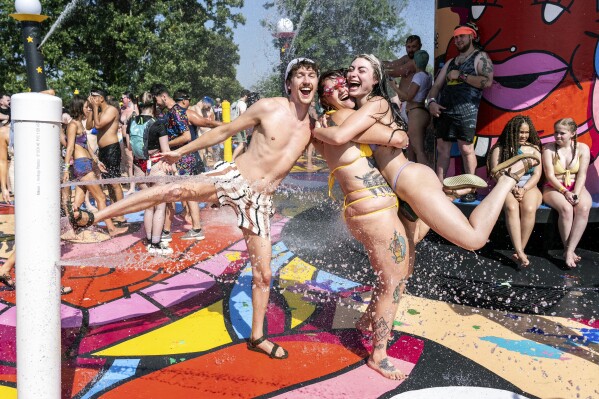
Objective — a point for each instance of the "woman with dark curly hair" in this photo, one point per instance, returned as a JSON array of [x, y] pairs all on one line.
[[519, 136]]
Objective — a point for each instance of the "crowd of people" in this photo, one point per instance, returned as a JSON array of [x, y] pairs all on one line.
[[391, 199]]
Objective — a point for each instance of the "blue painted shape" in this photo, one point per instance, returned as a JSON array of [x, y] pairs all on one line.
[[591, 335], [119, 370], [240, 301], [334, 283], [525, 347]]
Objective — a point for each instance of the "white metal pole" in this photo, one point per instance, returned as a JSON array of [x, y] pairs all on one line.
[[36, 121]]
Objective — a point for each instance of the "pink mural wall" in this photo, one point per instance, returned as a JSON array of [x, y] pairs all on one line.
[[546, 60]]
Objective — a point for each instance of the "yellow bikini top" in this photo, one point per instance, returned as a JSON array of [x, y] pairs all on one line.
[[365, 152], [567, 173]]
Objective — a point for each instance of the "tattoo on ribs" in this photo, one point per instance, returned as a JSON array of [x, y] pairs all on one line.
[[398, 248], [376, 182]]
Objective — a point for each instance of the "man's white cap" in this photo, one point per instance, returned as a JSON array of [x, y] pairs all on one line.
[[291, 64]]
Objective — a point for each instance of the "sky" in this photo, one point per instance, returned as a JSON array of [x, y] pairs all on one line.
[[258, 54]]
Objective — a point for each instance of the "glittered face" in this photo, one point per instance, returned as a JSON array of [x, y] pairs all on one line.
[[338, 83]]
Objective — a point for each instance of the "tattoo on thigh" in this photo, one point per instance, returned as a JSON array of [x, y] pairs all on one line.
[[381, 329], [397, 294], [398, 248], [379, 346]]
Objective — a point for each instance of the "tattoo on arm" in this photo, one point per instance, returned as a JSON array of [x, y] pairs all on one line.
[[487, 67], [331, 122], [483, 83]]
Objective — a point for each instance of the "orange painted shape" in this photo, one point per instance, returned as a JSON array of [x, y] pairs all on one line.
[[234, 372]]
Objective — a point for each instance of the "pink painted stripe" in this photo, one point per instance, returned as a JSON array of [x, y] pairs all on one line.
[[215, 265], [70, 317], [109, 247], [9, 318], [276, 228], [180, 287], [124, 308], [361, 382], [238, 246]]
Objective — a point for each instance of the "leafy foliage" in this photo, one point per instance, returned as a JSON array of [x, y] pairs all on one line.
[[130, 44], [332, 32]]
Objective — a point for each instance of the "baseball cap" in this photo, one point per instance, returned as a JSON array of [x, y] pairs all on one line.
[[292, 63]]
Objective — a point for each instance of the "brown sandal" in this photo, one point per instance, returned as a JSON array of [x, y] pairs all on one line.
[[505, 168], [253, 346]]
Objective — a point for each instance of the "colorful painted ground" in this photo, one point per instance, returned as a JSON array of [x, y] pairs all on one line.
[[141, 327]]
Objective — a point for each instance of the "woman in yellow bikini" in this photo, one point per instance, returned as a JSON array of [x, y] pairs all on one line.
[[565, 163], [414, 183], [370, 212]]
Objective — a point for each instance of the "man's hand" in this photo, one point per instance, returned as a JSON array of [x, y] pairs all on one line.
[[452, 75], [102, 167], [435, 109], [170, 157]]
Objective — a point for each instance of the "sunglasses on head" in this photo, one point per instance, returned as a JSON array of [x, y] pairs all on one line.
[[339, 83]]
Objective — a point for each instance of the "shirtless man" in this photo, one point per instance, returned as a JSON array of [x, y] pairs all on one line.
[[105, 118], [281, 133], [404, 68]]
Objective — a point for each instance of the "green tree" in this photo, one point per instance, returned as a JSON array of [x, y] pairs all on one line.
[[332, 32], [130, 44]]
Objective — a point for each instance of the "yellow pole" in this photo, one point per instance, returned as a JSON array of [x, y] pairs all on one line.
[[228, 153]]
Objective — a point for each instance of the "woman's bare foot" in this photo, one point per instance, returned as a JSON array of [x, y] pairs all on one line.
[[570, 259], [521, 260], [385, 368], [577, 258]]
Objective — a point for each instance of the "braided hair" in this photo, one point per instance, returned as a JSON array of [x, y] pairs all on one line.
[[508, 142], [571, 125]]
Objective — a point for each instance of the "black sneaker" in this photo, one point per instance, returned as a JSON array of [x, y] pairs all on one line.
[[470, 197]]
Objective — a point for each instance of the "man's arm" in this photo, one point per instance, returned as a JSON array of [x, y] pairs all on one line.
[[250, 118], [197, 120], [105, 119], [484, 70], [401, 67]]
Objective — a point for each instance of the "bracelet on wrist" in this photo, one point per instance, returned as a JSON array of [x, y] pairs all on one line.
[[563, 190]]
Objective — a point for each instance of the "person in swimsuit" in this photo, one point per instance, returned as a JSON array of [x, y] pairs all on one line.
[[565, 163], [281, 133], [105, 119], [418, 116], [79, 166], [519, 136], [415, 183], [370, 212]]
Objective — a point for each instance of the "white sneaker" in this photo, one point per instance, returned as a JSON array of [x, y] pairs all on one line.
[[162, 249], [166, 237]]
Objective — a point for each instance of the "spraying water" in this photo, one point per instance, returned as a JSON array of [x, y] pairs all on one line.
[[67, 11]]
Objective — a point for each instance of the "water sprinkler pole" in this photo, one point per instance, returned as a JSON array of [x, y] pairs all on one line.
[[36, 123]]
